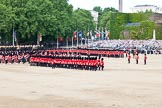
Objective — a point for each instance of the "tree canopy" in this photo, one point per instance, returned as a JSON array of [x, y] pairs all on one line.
[[30, 18], [53, 18]]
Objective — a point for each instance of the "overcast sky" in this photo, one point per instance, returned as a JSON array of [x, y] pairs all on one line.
[[127, 4]]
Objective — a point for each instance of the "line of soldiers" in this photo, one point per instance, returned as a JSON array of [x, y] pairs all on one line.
[[108, 53], [136, 56], [13, 57], [66, 61], [52, 59]]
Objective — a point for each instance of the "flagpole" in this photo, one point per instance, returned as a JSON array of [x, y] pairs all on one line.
[[57, 42], [37, 39], [102, 34], [154, 35], [85, 41], [106, 32], [99, 34], [67, 42], [13, 43], [92, 37], [81, 42], [77, 40], [87, 38], [72, 41]]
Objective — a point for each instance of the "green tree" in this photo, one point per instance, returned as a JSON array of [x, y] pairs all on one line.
[[33, 17], [104, 20], [6, 21], [110, 9], [98, 9], [83, 20]]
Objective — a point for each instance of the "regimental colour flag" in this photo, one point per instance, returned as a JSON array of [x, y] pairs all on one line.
[[97, 34], [80, 34], [75, 34]]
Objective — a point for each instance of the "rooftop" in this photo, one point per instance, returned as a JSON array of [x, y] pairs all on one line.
[[145, 5]]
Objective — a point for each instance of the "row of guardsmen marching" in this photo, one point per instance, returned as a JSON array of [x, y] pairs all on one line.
[[83, 63]]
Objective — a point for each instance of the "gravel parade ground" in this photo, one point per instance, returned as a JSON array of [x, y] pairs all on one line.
[[120, 85]]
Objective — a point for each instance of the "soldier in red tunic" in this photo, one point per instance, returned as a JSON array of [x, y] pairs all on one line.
[[53, 62], [129, 57], [102, 64], [126, 53], [137, 57], [145, 58], [6, 59]]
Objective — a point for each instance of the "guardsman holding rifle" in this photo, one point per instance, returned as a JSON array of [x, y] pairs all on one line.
[[129, 57], [102, 64], [137, 58], [145, 58]]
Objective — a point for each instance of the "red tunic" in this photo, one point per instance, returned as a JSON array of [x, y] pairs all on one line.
[[145, 57], [102, 63], [129, 56], [137, 57]]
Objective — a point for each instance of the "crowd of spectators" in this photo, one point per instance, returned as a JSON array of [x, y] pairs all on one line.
[[154, 46]]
